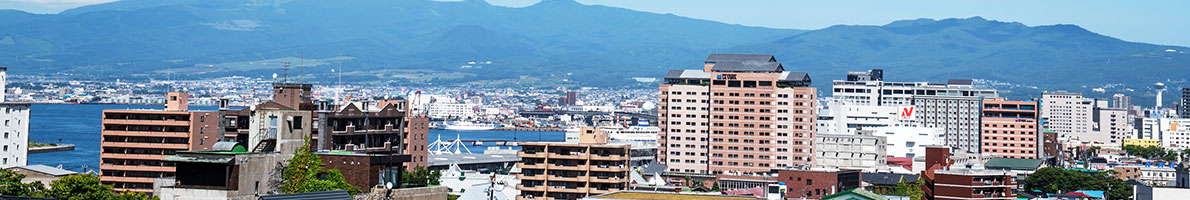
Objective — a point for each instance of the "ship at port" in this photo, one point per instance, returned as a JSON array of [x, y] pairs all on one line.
[[631, 134], [466, 126]]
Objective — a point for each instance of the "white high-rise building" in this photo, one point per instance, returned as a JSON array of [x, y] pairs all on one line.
[[1172, 132], [862, 151], [14, 145], [1082, 119], [955, 106]]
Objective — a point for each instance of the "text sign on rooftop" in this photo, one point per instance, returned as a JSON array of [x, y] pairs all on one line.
[[727, 76], [905, 112]]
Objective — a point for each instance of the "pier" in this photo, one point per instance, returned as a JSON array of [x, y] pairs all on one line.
[[47, 149]]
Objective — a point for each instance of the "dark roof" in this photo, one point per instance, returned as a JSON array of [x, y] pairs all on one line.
[[324, 195], [796, 76], [687, 74], [958, 82], [887, 178], [726, 57], [747, 66], [1013, 163], [53, 171], [654, 167]]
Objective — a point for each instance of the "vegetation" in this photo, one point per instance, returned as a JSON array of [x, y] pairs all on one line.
[[1152, 152], [421, 177], [38, 144], [78, 186], [1057, 180], [305, 173]]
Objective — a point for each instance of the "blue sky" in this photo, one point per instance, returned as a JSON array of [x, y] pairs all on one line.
[[1159, 22]]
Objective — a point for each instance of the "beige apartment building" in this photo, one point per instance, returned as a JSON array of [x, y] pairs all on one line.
[[554, 170], [135, 141], [741, 113], [1009, 128]]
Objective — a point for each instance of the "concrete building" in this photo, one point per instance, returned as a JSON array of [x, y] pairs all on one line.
[[15, 142], [554, 170], [1184, 104], [1091, 121], [1173, 133], [355, 126], [135, 141], [943, 182], [863, 151], [570, 99], [447, 111], [1121, 101], [1157, 174], [1009, 128], [741, 112], [1070, 115], [909, 141], [954, 106], [41, 173]]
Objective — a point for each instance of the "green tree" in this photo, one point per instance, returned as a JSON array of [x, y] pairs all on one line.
[[911, 189], [421, 176], [305, 173], [80, 187], [127, 195], [10, 184], [1057, 180]]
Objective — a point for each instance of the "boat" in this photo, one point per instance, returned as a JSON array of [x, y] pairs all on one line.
[[633, 134], [466, 126]]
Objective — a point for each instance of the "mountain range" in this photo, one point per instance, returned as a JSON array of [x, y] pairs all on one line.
[[552, 43]]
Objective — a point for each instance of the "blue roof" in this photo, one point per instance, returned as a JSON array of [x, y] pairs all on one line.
[[1092, 193]]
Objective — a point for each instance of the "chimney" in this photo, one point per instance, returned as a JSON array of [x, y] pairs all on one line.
[[177, 101]]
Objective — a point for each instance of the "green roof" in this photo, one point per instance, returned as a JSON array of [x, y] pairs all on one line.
[[857, 192], [1013, 163]]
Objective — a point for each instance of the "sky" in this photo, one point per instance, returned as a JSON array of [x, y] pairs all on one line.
[[1164, 22]]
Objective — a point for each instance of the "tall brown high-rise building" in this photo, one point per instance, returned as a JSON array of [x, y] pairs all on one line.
[[742, 112], [1009, 128], [135, 141]]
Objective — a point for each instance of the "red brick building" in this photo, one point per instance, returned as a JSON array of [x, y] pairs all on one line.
[[815, 184], [944, 183], [1009, 128]]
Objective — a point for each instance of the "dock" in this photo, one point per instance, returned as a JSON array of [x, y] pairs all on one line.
[[47, 149]]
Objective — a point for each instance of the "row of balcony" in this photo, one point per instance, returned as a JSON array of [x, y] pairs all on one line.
[[583, 156], [583, 190]]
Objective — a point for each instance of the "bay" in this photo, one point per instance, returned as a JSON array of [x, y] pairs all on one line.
[[80, 124]]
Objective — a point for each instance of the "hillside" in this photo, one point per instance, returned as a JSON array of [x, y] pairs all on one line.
[[1054, 57], [555, 42]]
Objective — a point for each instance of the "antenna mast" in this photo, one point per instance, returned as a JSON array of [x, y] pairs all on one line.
[[285, 73], [301, 61]]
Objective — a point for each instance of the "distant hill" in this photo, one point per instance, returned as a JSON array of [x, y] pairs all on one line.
[[555, 42], [1056, 57], [552, 41]]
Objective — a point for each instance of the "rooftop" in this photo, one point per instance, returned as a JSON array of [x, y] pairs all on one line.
[[1013, 163], [640, 195], [54, 171], [470, 158]]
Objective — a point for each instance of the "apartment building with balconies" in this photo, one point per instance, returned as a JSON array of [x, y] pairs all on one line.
[[740, 113], [135, 141], [1009, 128], [555, 170]]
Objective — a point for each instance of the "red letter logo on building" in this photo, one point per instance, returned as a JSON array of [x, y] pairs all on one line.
[[906, 113]]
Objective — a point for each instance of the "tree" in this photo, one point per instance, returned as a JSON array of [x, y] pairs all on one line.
[[10, 184], [1057, 180], [911, 189], [79, 186], [421, 176], [305, 173]]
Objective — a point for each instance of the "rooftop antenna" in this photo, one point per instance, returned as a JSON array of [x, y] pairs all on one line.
[[285, 73], [301, 61]]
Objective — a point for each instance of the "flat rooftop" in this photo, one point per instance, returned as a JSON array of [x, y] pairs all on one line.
[[470, 158], [640, 195]]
